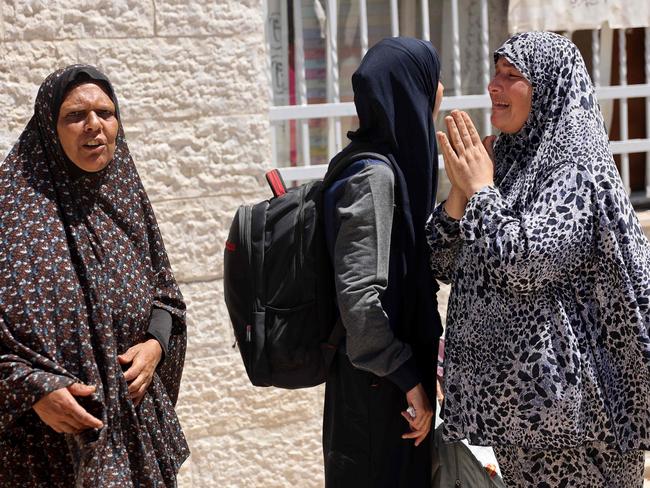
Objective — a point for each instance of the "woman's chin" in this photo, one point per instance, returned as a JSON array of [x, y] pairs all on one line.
[[92, 165], [498, 122]]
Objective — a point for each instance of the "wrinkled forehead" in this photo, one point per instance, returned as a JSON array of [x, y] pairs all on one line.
[[540, 56], [84, 88]]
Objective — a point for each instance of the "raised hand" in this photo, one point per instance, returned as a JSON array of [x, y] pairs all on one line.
[[467, 162]]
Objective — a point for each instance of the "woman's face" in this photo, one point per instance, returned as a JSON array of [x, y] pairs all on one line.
[[436, 105], [511, 96], [87, 127]]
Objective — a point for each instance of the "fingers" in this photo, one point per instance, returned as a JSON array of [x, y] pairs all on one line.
[[471, 129], [79, 389], [463, 130], [74, 424], [418, 435], [419, 421], [78, 415], [61, 411], [454, 135], [445, 146], [75, 413], [134, 371], [137, 394], [449, 156], [141, 382], [128, 356], [67, 427], [414, 434]]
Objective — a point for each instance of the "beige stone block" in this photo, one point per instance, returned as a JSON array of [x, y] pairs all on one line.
[[195, 232], [6, 144], [76, 19], [204, 156], [289, 456], [217, 399], [23, 67], [209, 329], [203, 17], [172, 79]]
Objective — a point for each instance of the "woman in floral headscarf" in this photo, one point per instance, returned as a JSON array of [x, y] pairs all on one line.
[[548, 345], [88, 303]]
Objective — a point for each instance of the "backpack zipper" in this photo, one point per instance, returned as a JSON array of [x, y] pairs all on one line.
[[300, 226], [247, 230], [247, 239]]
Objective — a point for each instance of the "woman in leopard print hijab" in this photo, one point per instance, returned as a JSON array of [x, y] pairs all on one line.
[[548, 344]]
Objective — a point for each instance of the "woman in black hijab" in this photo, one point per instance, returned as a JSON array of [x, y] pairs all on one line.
[[382, 377], [88, 303]]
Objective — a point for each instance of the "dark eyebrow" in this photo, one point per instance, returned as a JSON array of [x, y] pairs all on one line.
[[82, 108]]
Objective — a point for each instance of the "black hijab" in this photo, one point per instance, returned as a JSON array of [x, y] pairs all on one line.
[[394, 93]]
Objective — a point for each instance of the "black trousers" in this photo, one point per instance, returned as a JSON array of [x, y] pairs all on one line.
[[362, 432]]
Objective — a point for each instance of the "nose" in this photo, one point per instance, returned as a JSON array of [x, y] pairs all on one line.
[[92, 122], [494, 86]]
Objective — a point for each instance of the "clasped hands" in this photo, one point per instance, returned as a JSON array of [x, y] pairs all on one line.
[[62, 412], [468, 161]]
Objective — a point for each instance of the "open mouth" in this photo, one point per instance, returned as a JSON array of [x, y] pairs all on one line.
[[500, 105], [93, 144]]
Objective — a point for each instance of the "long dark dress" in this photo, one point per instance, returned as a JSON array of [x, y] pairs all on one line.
[[385, 291], [82, 265]]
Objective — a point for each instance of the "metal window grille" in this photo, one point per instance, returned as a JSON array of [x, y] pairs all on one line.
[[298, 115]]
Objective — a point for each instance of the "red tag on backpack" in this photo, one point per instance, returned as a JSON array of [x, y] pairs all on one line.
[[276, 182]]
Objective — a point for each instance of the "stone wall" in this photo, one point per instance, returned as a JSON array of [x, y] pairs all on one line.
[[191, 79]]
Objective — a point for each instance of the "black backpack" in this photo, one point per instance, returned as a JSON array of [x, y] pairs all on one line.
[[279, 283]]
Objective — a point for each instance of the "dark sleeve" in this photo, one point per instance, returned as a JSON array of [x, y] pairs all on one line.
[[361, 261], [160, 327]]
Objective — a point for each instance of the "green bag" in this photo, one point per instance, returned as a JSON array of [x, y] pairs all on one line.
[[454, 466]]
